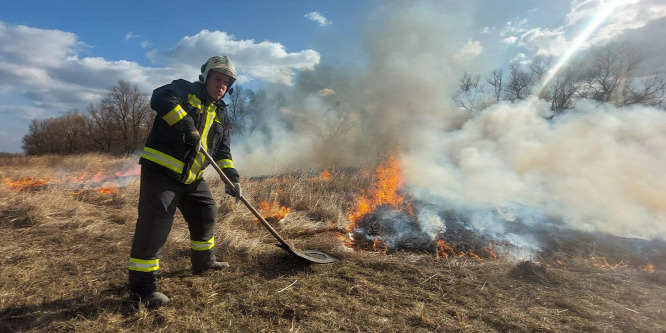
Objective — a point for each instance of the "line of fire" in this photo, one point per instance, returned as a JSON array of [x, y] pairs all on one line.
[[385, 219]]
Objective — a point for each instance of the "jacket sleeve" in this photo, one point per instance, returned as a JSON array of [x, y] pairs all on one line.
[[222, 155], [167, 101]]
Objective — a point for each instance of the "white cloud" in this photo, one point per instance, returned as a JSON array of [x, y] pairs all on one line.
[[468, 51], [265, 60], [510, 40], [42, 73], [326, 92], [318, 17], [582, 9], [44, 48], [514, 27], [520, 57], [545, 41], [627, 15], [131, 35]]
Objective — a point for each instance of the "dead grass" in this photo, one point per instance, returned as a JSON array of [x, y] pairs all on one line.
[[64, 270]]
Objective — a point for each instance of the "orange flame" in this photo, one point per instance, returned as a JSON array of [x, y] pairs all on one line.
[[272, 211], [26, 183], [99, 176], [648, 268], [601, 262], [324, 176], [383, 191], [107, 190], [379, 246], [444, 250], [101, 182], [489, 250], [131, 172]]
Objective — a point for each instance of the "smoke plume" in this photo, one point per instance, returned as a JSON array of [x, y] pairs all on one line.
[[595, 168]]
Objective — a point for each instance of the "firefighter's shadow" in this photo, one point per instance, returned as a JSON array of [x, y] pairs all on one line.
[[283, 264], [271, 266], [58, 312]]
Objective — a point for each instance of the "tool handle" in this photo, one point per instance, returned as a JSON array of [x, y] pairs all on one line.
[[261, 219]]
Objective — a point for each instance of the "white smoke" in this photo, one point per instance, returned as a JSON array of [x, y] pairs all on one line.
[[596, 167]]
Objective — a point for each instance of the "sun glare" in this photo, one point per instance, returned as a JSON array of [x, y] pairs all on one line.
[[606, 10]]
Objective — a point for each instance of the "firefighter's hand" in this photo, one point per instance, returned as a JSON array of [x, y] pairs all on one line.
[[235, 191], [192, 139]]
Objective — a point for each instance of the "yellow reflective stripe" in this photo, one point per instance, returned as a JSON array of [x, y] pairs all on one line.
[[225, 163], [199, 161], [202, 246], [162, 159], [191, 177], [194, 101], [142, 265], [175, 115]]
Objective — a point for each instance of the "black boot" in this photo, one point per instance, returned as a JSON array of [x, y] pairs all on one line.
[[214, 266], [154, 299]]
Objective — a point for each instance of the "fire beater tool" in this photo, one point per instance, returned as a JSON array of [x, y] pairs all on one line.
[[314, 256]]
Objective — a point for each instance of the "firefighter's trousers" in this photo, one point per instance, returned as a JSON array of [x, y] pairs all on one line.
[[159, 196]]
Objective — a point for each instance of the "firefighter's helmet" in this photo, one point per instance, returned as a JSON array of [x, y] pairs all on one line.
[[220, 64]]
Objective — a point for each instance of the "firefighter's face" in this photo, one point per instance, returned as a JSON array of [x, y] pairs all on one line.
[[217, 84]]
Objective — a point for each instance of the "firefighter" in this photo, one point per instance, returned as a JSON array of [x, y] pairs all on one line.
[[190, 115]]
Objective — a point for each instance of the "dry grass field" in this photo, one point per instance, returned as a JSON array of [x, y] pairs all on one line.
[[66, 225]]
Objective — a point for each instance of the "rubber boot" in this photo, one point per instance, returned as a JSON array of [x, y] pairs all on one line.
[[214, 266], [154, 299]]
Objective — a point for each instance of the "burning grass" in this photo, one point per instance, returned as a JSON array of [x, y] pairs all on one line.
[[65, 253]]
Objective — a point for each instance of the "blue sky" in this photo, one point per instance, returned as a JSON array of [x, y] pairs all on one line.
[[56, 56]]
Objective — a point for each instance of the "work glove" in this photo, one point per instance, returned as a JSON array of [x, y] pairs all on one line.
[[192, 140], [235, 191], [191, 136]]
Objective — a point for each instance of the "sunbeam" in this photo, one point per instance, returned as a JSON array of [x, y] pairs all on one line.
[[606, 10]]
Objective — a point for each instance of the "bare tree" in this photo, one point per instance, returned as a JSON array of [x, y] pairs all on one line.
[[650, 90], [131, 113], [495, 80], [569, 84], [238, 109], [538, 69], [35, 143], [74, 132], [100, 128], [46, 136], [338, 123], [612, 67], [520, 83], [258, 105], [470, 94], [56, 135]]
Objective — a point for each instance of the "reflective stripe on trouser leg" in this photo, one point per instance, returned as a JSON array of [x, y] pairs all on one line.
[[158, 195], [200, 211], [202, 245], [141, 265]]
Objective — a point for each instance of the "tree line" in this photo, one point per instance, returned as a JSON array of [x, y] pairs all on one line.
[[610, 74], [121, 121], [118, 124]]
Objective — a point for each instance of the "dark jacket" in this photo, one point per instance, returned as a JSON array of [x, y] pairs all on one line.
[[183, 106]]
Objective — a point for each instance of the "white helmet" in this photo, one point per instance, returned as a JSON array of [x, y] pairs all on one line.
[[220, 64]]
